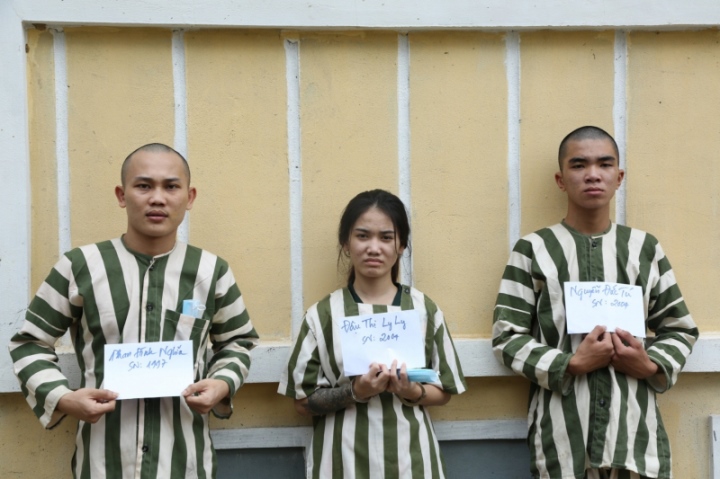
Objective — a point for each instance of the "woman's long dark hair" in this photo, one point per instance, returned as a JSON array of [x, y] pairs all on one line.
[[389, 204]]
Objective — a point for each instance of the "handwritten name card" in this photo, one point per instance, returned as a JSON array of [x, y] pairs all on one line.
[[588, 304], [148, 370], [381, 338]]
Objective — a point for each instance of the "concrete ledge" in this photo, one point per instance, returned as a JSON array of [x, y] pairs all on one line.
[[476, 358], [397, 14]]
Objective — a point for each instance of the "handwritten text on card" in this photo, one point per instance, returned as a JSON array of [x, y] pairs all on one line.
[[145, 370], [381, 338], [588, 304], [380, 328]]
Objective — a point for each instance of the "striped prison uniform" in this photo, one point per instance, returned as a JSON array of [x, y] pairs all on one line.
[[603, 419], [382, 438], [106, 294]]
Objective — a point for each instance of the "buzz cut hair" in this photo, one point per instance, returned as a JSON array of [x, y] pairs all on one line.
[[588, 132], [153, 147]]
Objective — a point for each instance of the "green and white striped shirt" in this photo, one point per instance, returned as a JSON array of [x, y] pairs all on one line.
[[605, 418], [105, 294], [382, 438]]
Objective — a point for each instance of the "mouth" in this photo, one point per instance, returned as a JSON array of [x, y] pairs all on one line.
[[594, 191], [156, 215], [373, 262]]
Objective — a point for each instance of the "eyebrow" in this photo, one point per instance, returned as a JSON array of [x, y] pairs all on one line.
[[151, 179], [365, 230], [581, 159]]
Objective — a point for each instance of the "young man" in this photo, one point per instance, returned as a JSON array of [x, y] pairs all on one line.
[[592, 409], [131, 290]]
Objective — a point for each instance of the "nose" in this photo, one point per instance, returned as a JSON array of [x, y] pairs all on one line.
[[592, 173], [158, 196], [373, 245]]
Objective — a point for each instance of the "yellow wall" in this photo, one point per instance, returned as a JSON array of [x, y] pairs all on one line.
[[673, 173], [458, 122], [121, 96], [41, 109], [237, 149], [567, 82], [348, 104]]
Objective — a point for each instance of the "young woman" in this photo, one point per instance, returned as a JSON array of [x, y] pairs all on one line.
[[375, 424]]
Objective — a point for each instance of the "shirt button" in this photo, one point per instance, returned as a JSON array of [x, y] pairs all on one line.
[[602, 403], [149, 307], [145, 449]]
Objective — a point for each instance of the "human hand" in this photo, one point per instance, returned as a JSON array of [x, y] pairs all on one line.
[[87, 404], [630, 356], [204, 395], [400, 384], [595, 352], [372, 382]]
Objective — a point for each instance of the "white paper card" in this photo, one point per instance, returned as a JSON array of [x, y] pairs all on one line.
[[381, 338], [148, 370], [589, 303]]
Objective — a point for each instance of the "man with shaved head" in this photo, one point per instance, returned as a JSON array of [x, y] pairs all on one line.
[[133, 289], [592, 411]]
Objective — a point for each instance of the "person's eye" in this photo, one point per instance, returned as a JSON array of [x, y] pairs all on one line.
[[173, 187], [142, 186]]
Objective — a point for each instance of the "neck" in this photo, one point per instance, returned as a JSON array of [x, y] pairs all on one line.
[[149, 246], [375, 290], [588, 222]]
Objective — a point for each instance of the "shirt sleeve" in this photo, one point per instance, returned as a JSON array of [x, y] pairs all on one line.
[[514, 321], [669, 318], [443, 358], [304, 373], [233, 336], [32, 349]]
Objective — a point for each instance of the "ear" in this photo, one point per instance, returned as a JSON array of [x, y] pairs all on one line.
[[559, 180], [120, 195], [192, 194], [621, 177]]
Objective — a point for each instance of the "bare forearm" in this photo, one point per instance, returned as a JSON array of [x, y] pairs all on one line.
[[427, 395], [435, 396]]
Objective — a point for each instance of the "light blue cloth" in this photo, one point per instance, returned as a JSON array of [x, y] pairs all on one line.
[[423, 376], [193, 307]]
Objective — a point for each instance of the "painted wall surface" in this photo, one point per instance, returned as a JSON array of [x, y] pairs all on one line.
[[566, 82], [458, 129], [348, 114], [237, 147], [41, 103], [120, 87], [673, 173]]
